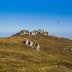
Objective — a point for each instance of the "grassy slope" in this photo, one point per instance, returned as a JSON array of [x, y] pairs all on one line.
[[54, 55]]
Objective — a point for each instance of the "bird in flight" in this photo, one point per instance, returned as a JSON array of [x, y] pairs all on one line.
[[58, 21]]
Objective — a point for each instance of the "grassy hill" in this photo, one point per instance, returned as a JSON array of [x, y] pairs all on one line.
[[55, 54]]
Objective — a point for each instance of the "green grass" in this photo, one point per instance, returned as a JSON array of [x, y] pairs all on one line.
[[52, 57]]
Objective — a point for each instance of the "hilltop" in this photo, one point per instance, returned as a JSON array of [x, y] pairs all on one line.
[[34, 32], [55, 54]]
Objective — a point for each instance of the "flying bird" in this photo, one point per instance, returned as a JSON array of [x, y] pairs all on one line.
[[58, 21]]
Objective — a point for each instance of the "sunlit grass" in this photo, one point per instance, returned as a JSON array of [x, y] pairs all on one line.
[[52, 57]]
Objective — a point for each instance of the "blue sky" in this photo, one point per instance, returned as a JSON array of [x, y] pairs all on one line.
[[16, 15]]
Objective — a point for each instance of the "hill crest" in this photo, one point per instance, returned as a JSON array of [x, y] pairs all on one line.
[[34, 32]]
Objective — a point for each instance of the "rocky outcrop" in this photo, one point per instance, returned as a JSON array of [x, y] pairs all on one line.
[[34, 32], [31, 44], [23, 32]]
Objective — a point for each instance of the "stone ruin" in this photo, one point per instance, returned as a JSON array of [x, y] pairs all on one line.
[[33, 45]]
